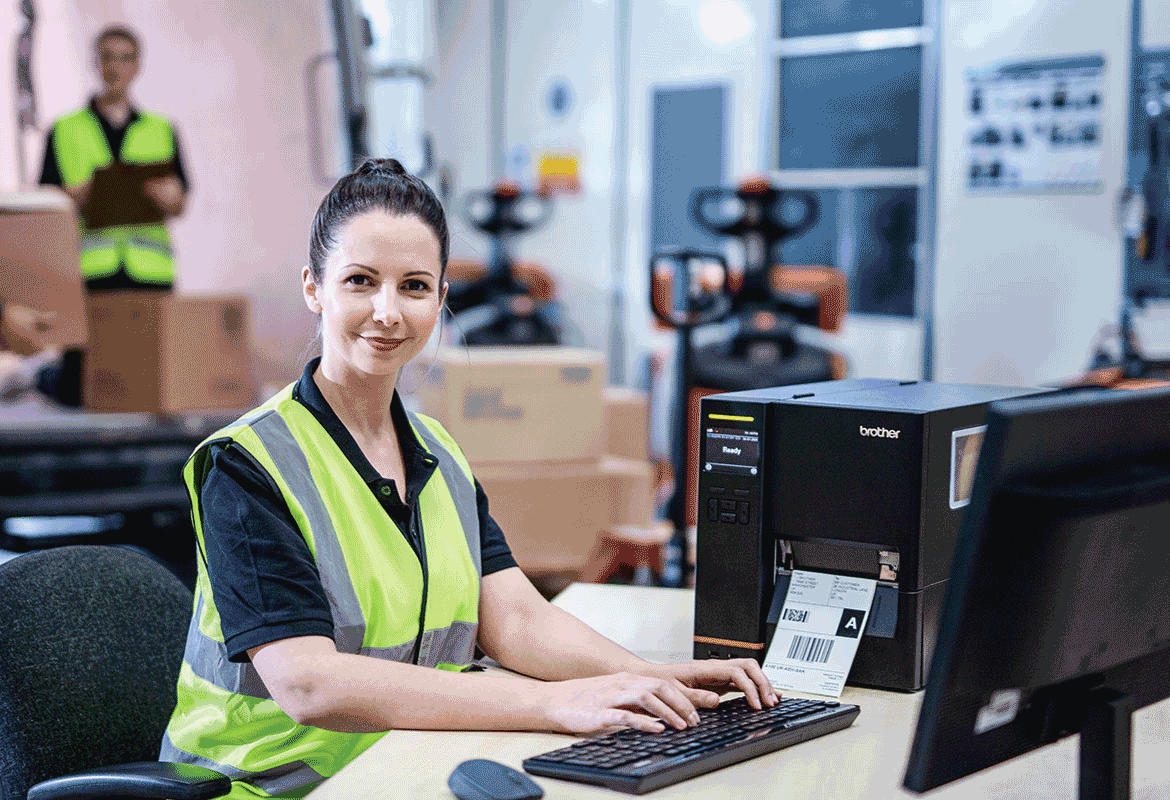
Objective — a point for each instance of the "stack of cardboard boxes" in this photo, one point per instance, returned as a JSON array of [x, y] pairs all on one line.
[[158, 352], [561, 458], [39, 246]]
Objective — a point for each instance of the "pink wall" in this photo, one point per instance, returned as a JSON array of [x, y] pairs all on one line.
[[230, 73]]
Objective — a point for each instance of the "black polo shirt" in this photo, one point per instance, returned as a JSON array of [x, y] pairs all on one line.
[[51, 176], [264, 580]]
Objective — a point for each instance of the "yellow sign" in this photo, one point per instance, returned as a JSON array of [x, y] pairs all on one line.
[[558, 172]]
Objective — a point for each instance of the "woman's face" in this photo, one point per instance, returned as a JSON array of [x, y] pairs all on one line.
[[379, 297]]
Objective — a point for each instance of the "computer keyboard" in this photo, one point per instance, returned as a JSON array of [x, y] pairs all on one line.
[[637, 762]]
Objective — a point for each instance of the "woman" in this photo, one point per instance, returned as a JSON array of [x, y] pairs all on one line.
[[348, 561]]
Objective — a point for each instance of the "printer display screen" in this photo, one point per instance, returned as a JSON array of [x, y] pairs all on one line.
[[733, 451]]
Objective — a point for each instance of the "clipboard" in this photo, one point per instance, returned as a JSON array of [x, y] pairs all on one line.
[[116, 196]]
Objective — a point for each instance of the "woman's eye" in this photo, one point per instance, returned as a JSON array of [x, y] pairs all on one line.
[[358, 279], [416, 286]]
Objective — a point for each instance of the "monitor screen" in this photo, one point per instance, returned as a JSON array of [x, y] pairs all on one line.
[[1056, 613]]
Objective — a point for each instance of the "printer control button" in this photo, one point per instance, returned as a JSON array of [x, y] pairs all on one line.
[[742, 492], [713, 510], [727, 505], [718, 489], [727, 516], [744, 513]]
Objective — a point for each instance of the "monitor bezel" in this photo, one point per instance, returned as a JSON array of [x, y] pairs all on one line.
[[1025, 438]]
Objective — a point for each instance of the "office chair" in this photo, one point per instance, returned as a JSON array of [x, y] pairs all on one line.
[[89, 661]]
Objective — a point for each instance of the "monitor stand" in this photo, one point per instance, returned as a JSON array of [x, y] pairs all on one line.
[[1106, 753]]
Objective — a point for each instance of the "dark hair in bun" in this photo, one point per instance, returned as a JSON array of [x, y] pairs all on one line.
[[379, 183]]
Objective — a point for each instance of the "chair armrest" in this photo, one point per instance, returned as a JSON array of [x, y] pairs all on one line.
[[159, 779]]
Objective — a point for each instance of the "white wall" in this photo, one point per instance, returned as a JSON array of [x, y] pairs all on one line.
[[456, 109], [230, 74], [572, 42], [1023, 283], [60, 73]]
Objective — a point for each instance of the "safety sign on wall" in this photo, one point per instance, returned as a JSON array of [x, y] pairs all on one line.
[[1035, 126]]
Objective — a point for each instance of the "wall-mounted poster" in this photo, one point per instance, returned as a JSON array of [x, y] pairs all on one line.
[[1035, 126]]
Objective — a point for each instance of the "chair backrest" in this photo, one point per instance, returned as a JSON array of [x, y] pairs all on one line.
[[90, 652]]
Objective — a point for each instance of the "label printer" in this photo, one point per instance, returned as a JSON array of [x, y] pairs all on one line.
[[861, 477]]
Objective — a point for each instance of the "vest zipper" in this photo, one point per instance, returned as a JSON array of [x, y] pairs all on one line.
[[416, 530]]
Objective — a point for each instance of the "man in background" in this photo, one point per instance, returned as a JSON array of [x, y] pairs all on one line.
[[123, 168]]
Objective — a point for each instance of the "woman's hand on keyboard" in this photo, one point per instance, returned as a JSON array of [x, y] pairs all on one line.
[[718, 675], [585, 705]]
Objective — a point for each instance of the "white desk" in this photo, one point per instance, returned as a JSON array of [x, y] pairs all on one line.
[[866, 760]]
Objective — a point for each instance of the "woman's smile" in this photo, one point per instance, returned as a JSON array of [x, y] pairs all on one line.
[[383, 344]]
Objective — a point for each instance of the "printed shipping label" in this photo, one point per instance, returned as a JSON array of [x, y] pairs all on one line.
[[818, 632]]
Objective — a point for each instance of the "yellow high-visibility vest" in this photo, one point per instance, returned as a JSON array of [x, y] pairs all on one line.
[[225, 718], [80, 147]]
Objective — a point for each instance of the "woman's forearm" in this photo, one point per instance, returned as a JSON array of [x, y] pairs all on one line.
[[529, 635], [551, 644], [316, 685], [353, 693]]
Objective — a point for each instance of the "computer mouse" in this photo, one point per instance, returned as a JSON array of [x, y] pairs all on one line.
[[480, 779]]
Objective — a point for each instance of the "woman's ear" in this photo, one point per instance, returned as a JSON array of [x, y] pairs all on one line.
[[309, 287]]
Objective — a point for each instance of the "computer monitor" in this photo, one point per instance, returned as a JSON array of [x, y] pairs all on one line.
[[1057, 615]]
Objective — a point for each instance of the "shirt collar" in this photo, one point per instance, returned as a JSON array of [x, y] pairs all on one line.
[[130, 120], [414, 455]]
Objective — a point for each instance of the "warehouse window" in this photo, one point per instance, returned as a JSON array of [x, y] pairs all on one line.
[[824, 17], [854, 114], [857, 109]]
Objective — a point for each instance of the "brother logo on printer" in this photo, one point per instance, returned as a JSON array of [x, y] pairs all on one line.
[[880, 433]]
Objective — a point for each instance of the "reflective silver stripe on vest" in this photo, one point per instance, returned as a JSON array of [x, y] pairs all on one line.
[[402, 652], [163, 248], [294, 775], [252, 417], [172, 754], [208, 660], [94, 242], [349, 623], [461, 487], [285, 778], [455, 645]]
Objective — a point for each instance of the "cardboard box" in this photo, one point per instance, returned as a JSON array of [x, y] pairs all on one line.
[[39, 260], [151, 351], [516, 403], [627, 422], [554, 513]]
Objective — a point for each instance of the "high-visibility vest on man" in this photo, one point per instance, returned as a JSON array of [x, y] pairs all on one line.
[[383, 602], [80, 148]]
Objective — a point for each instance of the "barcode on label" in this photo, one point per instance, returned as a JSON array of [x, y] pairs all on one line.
[[795, 614], [810, 648]]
